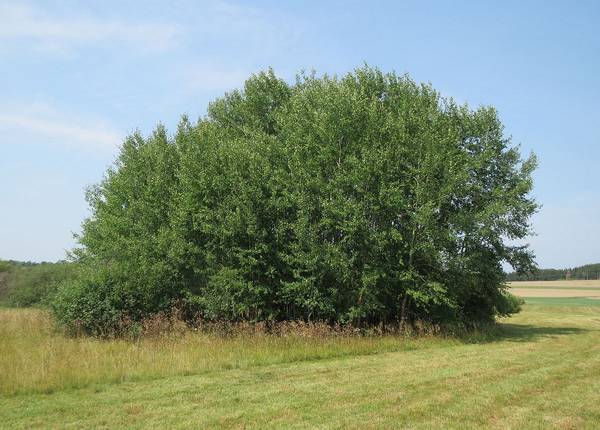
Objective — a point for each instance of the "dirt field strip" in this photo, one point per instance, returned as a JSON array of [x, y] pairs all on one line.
[[540, 292], [595, 283], [578, 288]]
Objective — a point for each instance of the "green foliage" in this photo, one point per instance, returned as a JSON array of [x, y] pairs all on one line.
[[362, 199], [508, 304], [32, 284], [5, 266], [90, 304]]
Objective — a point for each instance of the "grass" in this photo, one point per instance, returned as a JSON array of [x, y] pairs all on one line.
[[545, 287], [34, 358], [541, 370], [563, 301]]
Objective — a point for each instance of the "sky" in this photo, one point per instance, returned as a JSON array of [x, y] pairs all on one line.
[[77, 77]]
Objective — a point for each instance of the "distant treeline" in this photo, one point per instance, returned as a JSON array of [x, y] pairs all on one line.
[[588, 271], [32, 284]]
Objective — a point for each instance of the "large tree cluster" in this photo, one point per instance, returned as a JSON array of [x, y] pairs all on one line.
[[362, 199]]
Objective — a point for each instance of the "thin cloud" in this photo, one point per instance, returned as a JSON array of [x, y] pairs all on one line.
[[210, 78], [58, 129], [254, 32], [62, 34]]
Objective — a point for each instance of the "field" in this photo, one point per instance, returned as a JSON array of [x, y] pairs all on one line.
[[539, 369], [576, 284], [578, 288]]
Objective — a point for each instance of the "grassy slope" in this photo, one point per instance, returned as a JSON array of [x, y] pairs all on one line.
[[544, 372]]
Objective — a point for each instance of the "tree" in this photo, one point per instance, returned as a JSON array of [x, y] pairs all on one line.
[[362, 199]]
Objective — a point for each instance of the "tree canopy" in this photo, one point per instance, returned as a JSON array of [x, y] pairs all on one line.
[[362, 199], [26, 284]]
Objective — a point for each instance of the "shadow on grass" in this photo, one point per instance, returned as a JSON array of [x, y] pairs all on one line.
[[521, 333]]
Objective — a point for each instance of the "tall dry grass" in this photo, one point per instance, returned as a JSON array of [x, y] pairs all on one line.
[[35, 357]]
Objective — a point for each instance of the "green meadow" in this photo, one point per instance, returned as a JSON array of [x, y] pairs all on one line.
[[536, 370]]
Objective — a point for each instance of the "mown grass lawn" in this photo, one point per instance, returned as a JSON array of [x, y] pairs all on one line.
[[541, 371]]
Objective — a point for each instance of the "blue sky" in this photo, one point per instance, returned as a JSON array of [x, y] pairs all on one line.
[[76, 77]]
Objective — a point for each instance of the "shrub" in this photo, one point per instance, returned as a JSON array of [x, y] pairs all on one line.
[[508, 304], [89, 304], [365, 199]]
